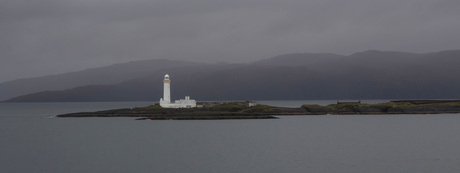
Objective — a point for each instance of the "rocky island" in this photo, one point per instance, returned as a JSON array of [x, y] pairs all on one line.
[[235, 111]]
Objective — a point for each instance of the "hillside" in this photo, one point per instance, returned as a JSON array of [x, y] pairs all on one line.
[[112, 74], [369, 74]]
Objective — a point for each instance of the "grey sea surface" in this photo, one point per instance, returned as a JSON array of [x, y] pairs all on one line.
[[30, 141]]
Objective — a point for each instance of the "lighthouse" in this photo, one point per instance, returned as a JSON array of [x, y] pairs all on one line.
[[165, 102], [167, 89]]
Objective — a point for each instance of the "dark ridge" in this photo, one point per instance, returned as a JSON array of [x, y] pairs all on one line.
[[366, 75]]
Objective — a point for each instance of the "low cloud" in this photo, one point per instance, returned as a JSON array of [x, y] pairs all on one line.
[[54, 36]]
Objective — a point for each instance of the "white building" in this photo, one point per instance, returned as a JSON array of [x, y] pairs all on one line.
[[166, 100]]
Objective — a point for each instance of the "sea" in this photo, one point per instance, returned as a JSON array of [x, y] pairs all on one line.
[[33, 140]]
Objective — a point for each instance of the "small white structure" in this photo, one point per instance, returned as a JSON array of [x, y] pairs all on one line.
[[165, 102], [166, 90]]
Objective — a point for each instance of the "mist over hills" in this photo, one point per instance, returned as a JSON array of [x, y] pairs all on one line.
[[370, 75], [112, 74]]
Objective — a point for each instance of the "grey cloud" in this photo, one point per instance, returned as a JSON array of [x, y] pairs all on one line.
[[40, 37]]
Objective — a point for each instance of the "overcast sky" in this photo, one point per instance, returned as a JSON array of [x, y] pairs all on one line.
[[42, 37]]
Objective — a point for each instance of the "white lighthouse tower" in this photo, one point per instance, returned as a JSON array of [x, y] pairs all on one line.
[[167, 89], [166, 100]]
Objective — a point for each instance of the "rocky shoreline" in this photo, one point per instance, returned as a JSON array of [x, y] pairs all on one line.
[[392, 107], [231, 111]]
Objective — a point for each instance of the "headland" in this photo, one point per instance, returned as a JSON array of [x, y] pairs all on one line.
[[235, 111]]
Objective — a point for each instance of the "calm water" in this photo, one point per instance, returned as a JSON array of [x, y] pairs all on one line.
[[352, 143]]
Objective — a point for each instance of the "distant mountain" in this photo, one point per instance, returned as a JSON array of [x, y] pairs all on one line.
[[369, 74], [112, 74], [300, 59]]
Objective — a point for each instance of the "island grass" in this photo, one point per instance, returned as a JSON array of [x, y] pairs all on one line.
[[235, 111], [150, 107], [222, 108], [391, 104], [232, 108]]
